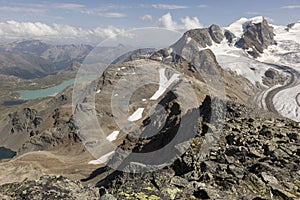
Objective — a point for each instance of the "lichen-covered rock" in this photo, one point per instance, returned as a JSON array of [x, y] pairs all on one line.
[[48, 187]]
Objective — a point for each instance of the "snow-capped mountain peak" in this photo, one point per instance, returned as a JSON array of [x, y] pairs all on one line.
[[238, 27]]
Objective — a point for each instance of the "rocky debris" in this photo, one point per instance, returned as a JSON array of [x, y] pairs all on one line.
[[257, 157], [257, 37], [48, 187]]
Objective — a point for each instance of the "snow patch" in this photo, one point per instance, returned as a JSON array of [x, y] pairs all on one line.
[[164, 83], [188, 40], [138, 114], [103, 159], [113, 136]]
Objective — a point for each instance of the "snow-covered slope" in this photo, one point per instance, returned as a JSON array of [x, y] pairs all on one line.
[[287, 50], [236, 60], [283, 56], [285, 53]]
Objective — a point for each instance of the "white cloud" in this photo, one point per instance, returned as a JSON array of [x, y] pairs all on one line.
[[100, 11], [21, 9], [146, 18], [202, 6], [166, 21], [187, 23], [68, 6], [291, 7], [13, 30], [191, 23], [112, 15], [168, 6]]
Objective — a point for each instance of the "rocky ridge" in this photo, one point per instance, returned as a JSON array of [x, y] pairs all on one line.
[[256, 158]]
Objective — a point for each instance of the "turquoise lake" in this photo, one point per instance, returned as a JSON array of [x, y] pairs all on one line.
[[34, 94]]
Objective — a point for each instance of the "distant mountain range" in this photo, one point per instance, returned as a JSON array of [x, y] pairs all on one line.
[[33, 58]]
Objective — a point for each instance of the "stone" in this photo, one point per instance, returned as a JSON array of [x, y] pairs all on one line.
[[107, 197]]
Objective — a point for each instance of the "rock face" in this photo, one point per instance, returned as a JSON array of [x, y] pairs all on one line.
[[27, 121], [255, 158], [31, 129], [205, 36], [216, 33], [62, 133], [48, 187], [256, 38]]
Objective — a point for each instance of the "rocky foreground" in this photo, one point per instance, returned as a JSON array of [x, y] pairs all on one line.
[[257, 157], [48, 187]]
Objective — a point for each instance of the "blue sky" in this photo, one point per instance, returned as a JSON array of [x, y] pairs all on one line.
[[120, 15]]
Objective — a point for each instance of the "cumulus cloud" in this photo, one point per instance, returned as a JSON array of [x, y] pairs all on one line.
[[146, 18], [190, 23], [13, 30], [166, 21], [291, 7], [59, 33], [168, 6]]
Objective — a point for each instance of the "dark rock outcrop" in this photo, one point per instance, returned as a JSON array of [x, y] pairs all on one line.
[[257, 37], [273, 77], [216, 33]]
